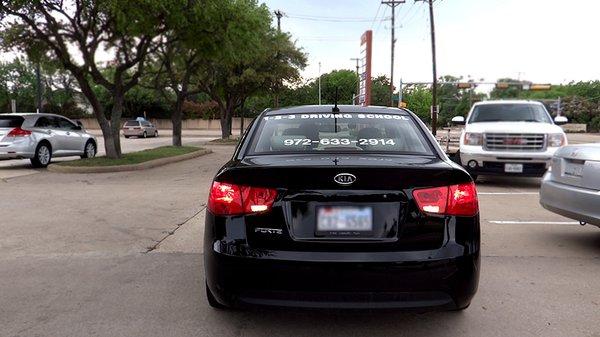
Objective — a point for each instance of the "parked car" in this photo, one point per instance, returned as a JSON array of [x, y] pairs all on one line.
[[139, 128], [509, 138], [356, 208], [40, 137], [572, 186]]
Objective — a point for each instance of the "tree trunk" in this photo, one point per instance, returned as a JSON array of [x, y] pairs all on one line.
[[176, 120], [115, 121], [105, 125]]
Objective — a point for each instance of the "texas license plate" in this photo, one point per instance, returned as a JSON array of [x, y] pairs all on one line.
[[573, 169], [344, 219], [513, 168]]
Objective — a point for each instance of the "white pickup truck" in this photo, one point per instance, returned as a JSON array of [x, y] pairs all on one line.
[[516, 137]]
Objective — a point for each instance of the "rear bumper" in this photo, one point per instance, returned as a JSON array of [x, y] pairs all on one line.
[[16, 151], [573, 202], [535, 164], [444, 278], [133, 133]]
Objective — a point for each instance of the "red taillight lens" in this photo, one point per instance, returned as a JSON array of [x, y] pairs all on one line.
[[230, 199], [462, 200], [458, 199], [18, 132]]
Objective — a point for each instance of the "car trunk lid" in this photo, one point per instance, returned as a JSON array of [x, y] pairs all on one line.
[[308, 190], [577, 165]]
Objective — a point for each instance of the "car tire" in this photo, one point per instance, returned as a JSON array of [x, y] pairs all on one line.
[[145, 135], [42, 156], [126, 136], [89, 151], [155, 134], [461, 309], [212, 301]]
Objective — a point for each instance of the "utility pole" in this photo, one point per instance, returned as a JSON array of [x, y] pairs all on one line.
[[392, 4], [434, 106], [278, 14], [38, 76], [355, 100], [319, 83]]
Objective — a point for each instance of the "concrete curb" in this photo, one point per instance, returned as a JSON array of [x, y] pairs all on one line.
[[131, 167]]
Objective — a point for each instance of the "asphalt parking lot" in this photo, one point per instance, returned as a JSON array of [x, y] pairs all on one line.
[[119, 254]]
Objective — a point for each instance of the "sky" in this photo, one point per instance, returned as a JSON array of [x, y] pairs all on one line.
[[544, 41]]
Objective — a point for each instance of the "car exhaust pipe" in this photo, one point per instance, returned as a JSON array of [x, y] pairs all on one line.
[[583, 223]]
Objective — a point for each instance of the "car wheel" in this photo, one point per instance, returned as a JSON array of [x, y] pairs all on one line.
[[43, 155], [126, 136], [145, 135], [155, 134], [89, 150], [212, 301]]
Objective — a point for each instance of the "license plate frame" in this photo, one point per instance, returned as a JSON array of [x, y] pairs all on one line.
[[513, 168], [343, 221]]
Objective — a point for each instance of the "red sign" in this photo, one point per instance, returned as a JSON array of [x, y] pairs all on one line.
[[366, 47]]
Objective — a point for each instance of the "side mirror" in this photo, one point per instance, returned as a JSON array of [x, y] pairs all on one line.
[[77, 128], [560, 120], [458, 120]]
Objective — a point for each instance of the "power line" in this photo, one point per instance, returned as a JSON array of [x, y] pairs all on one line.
[[330, 18], [375, 18], [381, 21]]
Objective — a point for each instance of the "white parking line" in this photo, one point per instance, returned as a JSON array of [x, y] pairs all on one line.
[[510, 222], [507, 193]]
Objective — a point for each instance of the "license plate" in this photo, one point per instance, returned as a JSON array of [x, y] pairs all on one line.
[[572, 169], [513, 168], [344, 219]]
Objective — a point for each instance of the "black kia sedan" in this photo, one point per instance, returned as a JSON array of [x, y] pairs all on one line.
[[341, 207]]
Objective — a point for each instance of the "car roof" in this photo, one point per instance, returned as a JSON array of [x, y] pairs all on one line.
[[32, 114], [509, 101], [328, 109]]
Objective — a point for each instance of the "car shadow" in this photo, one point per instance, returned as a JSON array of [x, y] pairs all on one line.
[[586, 240], [330, 322], [507, 181]]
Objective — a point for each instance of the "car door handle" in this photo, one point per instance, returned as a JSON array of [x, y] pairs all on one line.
[[68, 133]]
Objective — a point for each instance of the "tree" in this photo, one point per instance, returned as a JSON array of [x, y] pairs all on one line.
[[75, 32], [198, 30], [237, 73], [380, 91]]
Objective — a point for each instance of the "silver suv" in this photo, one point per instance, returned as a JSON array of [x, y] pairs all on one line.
[[40, 137]]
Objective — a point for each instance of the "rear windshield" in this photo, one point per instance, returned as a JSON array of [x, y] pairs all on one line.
[[510, 113], [11, 121], [132, 123], [342, 132]]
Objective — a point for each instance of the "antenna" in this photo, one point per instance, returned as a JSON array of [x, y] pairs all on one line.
[[335, 108]]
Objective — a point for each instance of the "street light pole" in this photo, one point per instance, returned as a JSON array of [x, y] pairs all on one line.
[[357, 79], [319, 83]]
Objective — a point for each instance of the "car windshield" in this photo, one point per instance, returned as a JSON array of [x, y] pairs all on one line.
[[509, 113], [10, 121], [342, 132]]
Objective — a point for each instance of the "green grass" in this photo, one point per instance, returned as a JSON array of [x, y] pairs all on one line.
[[133, 157]]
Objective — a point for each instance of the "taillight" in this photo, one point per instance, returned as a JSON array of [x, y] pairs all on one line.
[[231, 199], [18, 132], [458, 200]]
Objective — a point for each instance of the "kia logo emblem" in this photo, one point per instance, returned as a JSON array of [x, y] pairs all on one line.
[[344, 178]]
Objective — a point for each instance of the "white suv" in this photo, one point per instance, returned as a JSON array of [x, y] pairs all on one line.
[[509, 138]]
